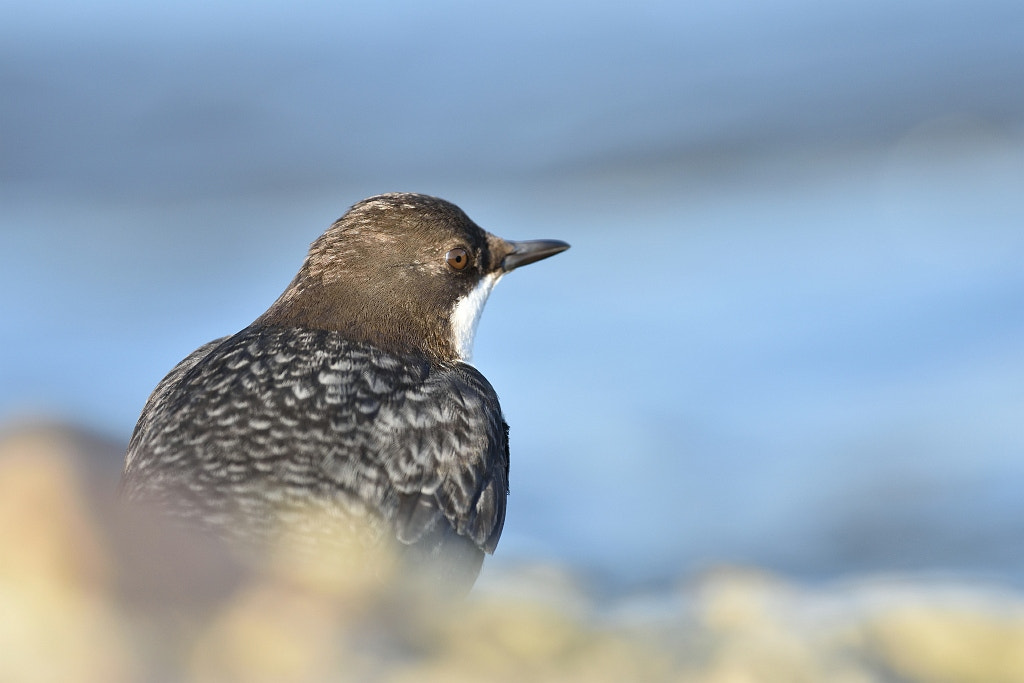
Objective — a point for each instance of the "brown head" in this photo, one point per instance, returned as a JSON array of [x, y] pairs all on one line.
[[408, 273]]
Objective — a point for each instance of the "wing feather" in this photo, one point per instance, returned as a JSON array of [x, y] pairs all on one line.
[[271, 417]]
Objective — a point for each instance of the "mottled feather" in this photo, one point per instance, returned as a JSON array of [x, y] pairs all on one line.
[[272, 422]]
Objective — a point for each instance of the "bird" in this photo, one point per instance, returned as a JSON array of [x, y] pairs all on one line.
[[352, 397]]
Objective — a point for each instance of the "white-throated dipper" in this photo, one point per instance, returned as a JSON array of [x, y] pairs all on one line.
[[351, 396]]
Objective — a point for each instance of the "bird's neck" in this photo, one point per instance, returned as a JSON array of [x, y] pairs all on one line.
[[356, 315]]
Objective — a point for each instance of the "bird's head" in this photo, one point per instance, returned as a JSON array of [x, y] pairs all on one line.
[[409, 273]]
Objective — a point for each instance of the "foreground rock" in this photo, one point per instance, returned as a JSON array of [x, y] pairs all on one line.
[[87, 596]]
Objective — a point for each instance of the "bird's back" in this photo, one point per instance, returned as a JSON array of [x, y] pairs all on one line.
[[284, 429]]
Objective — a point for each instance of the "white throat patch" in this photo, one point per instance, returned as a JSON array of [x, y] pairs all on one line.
[[467, 314]]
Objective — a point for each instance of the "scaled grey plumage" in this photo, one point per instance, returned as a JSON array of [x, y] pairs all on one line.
[[351, 396]]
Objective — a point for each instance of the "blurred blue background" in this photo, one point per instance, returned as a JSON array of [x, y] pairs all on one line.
[[790, 331]]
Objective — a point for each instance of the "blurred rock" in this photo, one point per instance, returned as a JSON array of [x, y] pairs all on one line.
[[91, 594], [58, 620], [950, 642]]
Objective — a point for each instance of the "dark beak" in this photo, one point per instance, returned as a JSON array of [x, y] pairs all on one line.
[[524, 253]]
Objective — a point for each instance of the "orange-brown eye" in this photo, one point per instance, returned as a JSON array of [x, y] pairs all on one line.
[[458, 258]]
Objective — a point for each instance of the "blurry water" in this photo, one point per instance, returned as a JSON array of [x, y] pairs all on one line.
[[819, 372], [790, 330]]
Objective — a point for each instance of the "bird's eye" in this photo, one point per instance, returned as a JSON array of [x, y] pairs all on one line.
[[458, 258]]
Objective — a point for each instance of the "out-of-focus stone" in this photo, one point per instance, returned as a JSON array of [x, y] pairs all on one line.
[[57, 619], [91, 592], [952, 644]]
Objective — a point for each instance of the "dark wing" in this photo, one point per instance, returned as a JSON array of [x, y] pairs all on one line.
[[445, 449], [155, 403], [271, 418]]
